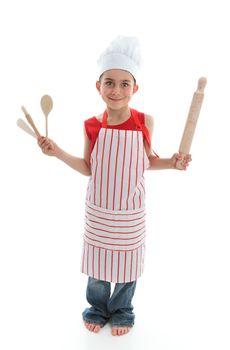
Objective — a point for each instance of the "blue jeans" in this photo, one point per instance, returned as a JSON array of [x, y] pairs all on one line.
[[116, 308]]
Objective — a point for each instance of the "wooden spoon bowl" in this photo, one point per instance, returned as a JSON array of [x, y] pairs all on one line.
[[46, 105]]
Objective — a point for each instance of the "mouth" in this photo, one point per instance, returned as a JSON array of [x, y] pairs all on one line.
[[115, 99]]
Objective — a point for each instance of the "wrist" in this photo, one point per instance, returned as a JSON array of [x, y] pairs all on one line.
[[58, 152], [172, 163]]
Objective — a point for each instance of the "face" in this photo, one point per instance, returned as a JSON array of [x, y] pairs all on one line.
[[116, 87]]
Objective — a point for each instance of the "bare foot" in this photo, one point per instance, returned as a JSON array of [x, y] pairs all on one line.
[[120, 330], [92, 327]]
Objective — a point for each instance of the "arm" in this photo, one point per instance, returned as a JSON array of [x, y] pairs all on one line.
[[161, 163], [81, 165]]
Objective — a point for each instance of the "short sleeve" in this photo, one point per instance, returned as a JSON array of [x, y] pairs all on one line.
[[92, 128]]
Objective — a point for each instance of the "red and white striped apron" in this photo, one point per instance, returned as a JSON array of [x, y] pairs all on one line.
[[114, 238]]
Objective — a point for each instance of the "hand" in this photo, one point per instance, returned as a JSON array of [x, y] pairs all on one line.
[[47, 146], [184, 161]]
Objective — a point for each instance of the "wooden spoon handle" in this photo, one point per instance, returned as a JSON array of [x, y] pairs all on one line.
[[30, 121]]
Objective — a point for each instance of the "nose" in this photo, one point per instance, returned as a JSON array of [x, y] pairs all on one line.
[[115, 90]]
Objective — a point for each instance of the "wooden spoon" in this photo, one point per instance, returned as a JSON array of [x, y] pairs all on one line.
[[30, 121], [46, 105], [25, 127]]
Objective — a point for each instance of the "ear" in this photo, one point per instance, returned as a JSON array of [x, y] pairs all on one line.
[[135, 88], [98, 86]]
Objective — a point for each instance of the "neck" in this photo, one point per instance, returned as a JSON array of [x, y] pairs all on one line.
[[118, 115]]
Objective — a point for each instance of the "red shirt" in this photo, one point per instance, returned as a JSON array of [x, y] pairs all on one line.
[[93, 126]]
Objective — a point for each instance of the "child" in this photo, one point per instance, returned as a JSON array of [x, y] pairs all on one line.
[[117, 152]]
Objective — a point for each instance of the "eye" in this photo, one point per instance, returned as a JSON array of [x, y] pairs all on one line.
[[108, 83], [125, 84]]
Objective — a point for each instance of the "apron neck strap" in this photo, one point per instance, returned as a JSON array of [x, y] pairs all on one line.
[[141, 126], [134, 114], [104, 119]]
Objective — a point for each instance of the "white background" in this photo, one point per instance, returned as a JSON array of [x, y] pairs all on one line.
[[51, 47]]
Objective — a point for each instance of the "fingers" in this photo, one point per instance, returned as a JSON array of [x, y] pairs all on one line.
[[46, 145], [188, 157], [183, 159]]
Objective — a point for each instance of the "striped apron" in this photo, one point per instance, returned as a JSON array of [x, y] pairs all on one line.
[[114, 238]]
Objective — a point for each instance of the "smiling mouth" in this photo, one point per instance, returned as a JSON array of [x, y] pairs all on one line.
[[115, 99]]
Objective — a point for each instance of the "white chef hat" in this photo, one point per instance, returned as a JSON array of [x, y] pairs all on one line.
[[123, 53]]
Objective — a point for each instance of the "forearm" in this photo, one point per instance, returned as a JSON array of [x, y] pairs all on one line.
[[156, 163], [50, 148], [78, 164]]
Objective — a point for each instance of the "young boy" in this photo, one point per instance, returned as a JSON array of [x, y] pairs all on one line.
[[117, 152]]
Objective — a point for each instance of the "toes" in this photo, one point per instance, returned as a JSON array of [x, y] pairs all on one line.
[[120, 330], [92, 327], [97, 328], [124, 330], [114, 330], [89, 326]]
